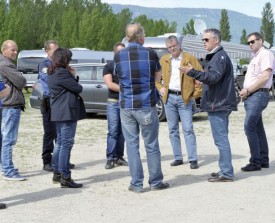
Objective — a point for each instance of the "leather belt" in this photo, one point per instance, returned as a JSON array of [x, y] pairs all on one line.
[[262, 90], [174, 92], [112, 100]]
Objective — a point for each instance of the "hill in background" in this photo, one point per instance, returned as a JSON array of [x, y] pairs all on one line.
[[237, 21]]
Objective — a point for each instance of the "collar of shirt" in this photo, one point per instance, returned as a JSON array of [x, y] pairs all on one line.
[[179, 58], [214, 50], [134, 44], [255, 54]]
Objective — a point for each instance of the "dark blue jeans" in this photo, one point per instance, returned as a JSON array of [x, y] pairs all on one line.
[[115, 139], [64, 143], [254, 128]]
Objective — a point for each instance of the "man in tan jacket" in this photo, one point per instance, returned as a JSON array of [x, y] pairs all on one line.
[[178, 90]]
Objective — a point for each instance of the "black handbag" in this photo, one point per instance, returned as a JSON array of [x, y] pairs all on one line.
[[82, 111]]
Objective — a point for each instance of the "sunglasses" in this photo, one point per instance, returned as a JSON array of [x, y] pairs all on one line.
[[251, 42], [205, 39]]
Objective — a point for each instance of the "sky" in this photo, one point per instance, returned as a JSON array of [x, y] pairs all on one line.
[[248, 7]]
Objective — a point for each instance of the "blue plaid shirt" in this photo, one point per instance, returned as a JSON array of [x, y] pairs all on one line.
[[135, 66]]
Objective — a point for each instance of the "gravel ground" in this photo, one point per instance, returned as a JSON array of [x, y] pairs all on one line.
[[105, 196]]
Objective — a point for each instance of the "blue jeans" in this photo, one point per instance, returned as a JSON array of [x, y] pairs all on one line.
[[145, 120], [175, 109], [254, 128], [65, 131], [115, 139], [9, 129], [219, 126]]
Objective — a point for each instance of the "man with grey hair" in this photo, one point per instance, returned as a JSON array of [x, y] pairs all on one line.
[[12, 105], [218, 98], [177, 91], [138, 68]]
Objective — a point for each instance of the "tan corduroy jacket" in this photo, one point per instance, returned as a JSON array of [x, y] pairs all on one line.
[[188, 89]]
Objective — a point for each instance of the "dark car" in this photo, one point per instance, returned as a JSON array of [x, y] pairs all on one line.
[[94, 92]]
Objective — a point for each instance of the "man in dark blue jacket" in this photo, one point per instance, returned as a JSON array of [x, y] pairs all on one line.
[[49, 127], [218, 98]]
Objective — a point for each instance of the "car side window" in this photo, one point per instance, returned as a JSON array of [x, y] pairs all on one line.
[[84, 73], [99, 71]]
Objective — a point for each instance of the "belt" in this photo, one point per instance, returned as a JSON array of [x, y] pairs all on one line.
[[112, 100], [261, 90], [174, 92]]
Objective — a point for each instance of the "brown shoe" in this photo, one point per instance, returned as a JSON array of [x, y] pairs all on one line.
[[219, 179]]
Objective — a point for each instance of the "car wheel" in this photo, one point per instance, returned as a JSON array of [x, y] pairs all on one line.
[[161, 110]]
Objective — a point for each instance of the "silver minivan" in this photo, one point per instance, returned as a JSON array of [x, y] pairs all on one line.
[[28, 60]]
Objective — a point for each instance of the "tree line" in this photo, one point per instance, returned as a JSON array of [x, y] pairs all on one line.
[[92, 24], [73, 23], [267, 27]]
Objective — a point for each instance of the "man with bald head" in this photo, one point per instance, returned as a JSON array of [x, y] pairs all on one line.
[[12, 105], [138, 68]]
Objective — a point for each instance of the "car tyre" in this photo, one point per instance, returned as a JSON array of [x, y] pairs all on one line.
[[161, 110]]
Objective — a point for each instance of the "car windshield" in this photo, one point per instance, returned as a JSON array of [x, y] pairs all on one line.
[[29, 64]]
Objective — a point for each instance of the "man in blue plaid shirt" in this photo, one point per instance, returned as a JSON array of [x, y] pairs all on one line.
[[138, 68]]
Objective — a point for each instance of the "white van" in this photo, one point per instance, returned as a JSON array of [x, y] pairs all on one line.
[[28, 60]]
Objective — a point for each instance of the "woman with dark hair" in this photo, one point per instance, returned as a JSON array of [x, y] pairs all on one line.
[[66, 109]]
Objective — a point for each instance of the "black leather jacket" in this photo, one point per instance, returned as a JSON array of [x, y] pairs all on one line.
[[218, 92]]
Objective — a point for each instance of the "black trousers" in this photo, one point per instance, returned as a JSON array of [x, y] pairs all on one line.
[[0, 133], [48, 137]]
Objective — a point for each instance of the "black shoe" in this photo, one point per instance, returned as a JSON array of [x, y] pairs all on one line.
[[215, 174], [251, 167], [219, 179], [265, 165], [161, 186], [67, 182], [176, 163], [48, 167], [3, 206], [194, 164], [56, 178], [110, 164], [120, 162], [71, 166], [136, 190]]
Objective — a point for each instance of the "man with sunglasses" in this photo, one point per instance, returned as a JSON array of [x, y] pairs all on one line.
[[255, 94], [218, 98], [178, 90]]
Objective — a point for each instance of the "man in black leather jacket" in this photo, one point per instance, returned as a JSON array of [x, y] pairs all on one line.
[[218, 98]]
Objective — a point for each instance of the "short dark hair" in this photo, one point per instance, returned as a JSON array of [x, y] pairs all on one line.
[[257, 35], [61, 58], [117, 45], [215, 32]]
